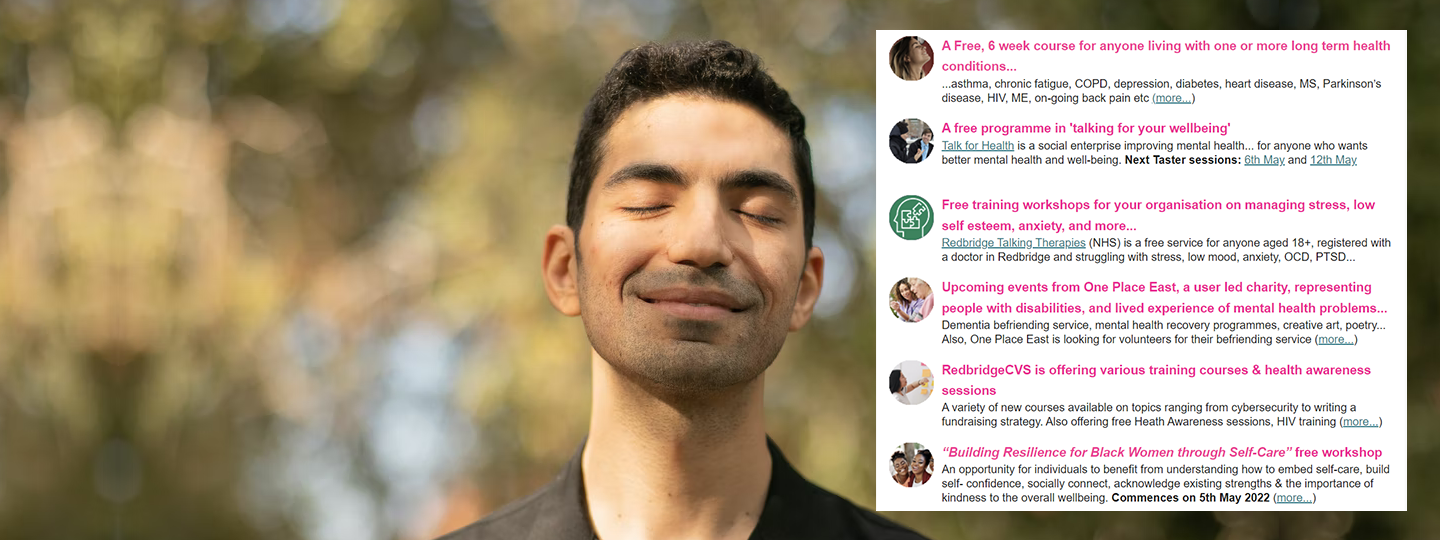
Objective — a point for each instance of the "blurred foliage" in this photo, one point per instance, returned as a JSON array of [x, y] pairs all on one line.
[[269, 268]]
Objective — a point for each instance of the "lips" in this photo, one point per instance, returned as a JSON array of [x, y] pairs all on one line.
[[694, 303]]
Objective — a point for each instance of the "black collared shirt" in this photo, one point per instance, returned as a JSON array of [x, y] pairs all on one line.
[[794, 508]]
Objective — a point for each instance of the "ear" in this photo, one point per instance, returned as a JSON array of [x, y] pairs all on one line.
[[560, 269], [810, 280]]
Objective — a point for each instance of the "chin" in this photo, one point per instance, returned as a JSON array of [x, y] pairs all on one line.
[[683, 367]]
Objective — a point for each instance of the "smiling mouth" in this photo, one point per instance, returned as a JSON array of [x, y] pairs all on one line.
[[694, 304], [693, 311]]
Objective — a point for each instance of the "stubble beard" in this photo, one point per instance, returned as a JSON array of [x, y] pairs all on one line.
[[679, 360]]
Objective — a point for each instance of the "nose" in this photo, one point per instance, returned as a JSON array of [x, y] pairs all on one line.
[[698, 238]]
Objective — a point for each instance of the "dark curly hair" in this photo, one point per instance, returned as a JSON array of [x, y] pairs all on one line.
[[714, 69]]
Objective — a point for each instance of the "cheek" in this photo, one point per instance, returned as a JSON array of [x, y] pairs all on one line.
[[611, 251], [779, 271]]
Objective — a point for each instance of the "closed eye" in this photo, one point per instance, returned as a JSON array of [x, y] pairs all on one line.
[[643, 210], [767, 220]]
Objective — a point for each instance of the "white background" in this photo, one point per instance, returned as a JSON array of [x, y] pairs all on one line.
[[1271, 115]]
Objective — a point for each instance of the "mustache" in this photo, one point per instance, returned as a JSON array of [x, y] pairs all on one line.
[[642, 281]]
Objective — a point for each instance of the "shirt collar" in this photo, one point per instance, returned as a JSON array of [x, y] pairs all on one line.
[[567, 516], [566, 513]]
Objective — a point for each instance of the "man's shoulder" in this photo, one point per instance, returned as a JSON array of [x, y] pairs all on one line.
[[511, 521], [554, 512], [797, 508], [794, 508], [847, 520]]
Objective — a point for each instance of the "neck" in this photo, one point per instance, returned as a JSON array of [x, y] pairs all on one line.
[[667, 467]]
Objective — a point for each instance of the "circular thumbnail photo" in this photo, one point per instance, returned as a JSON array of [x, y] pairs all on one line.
[[911, 299], [910, 217], [911, 465], [911, 58], [911, 382], [911, 140]]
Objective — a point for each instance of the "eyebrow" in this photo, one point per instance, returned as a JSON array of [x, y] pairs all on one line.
[[666, 174], [654, 172], [759, 178]]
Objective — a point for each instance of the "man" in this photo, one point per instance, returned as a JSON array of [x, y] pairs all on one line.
[[898, 145], [687, 255], [920, 149]]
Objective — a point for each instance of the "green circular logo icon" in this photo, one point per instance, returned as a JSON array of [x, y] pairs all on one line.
[[911, 217]]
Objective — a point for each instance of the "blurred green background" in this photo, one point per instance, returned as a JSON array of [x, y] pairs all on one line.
[[269, 268]]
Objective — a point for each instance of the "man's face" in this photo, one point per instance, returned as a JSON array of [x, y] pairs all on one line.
[[928, 136], [692, 247]]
